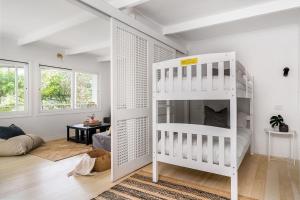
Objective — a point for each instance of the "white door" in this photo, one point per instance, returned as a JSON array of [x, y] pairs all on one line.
[[131, 137], [132, 56]]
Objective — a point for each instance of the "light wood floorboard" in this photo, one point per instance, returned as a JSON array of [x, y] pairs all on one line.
[[30, 177]]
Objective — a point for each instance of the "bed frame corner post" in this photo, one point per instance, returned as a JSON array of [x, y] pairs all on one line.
[[252, 146], [234, 184]]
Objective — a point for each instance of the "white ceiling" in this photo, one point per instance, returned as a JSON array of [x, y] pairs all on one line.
[[22, 18], [28, 18], [167, 12]]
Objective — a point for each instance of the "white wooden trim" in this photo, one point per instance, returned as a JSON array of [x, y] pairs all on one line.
[[100, 8], [87, 48], [55, 28], [240, 14], [104, 59], [127, 3]]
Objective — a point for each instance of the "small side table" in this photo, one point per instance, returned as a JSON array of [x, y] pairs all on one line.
[[291, 134], [83, 134]]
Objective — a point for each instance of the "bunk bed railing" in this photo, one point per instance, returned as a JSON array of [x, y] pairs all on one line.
[[195, 145], [209, 73]]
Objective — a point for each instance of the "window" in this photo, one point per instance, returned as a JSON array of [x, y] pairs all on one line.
[[86, 90], [63, 89], [55, 88], [13, 87]]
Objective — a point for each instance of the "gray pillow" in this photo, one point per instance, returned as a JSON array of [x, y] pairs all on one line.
[[216, 118]]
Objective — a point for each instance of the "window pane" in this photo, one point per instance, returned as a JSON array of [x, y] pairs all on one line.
[[21, 90], [7, 89], [86, 90], [55, 89]]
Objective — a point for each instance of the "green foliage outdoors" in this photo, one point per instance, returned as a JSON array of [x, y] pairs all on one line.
[[7, 90], [55, 90]]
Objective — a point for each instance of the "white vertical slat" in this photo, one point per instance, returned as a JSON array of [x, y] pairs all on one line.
[[209, 77], [199, 77], [163, 80], [189, 78], [189, 145], [221, 76], [171, 140], [209, 149], [163, 142], [180, 146], [171, 80], [221, 151], [199, 148], [180, 86]]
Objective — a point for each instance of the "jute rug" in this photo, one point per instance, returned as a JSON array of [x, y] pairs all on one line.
[[56, 150], [140, 186]]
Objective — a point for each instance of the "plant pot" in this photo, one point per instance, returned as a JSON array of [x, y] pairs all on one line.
[[283, 128]]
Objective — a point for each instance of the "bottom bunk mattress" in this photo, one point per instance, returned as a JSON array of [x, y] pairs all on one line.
[[243, 140]]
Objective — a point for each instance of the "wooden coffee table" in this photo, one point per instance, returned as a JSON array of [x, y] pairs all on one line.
[[83, 134]]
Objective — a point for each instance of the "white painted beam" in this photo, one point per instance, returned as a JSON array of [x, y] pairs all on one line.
[[88, 48], [126, 3], [103, 59], [240, 14], [55, 28], [100, 7]]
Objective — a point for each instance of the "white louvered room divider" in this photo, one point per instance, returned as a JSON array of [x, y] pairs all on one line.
[[132, 56]]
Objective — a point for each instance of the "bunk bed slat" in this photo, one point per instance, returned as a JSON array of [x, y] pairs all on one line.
[[179, 71], [199, 148], [171, 140], [189, 78], [209, 149], [189, 146], [180, 145], [199, 77], [221, 151], [209, 77], [163, 142], [221, 76]]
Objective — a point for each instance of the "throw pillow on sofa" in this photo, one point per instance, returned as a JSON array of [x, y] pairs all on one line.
[[11, 131]]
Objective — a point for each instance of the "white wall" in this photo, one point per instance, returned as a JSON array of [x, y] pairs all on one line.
[[54, 125], [265, 53]]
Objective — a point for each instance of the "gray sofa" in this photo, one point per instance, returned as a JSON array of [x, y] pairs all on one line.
[[102, 141]]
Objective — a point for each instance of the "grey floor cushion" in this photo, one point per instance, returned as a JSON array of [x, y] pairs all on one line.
[[102, 141], [19, 145]]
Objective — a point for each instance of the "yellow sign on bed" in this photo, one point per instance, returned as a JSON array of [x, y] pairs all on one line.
[[190, 61]]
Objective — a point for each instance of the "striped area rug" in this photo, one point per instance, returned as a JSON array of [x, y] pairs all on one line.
[[140, 186]]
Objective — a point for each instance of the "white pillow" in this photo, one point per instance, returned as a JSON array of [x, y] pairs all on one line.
[[242, 120]]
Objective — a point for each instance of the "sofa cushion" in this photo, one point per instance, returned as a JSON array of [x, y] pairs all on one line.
[[19, 145], [11, 131]]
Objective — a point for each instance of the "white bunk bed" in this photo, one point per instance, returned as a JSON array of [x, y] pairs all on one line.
[[206, 148]]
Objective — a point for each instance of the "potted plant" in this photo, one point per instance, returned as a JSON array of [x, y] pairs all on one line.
[[278, 121]]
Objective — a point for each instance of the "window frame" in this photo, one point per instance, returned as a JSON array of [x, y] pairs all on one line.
[[25, 65], [73, 108]]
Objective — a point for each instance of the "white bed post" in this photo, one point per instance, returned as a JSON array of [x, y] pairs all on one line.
[[252, 145], [154, 139], [233, 127]]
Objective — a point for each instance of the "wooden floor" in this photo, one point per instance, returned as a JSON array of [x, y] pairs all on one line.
[[30, 177]]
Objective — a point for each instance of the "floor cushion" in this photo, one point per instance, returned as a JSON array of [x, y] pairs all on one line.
[[11, 131], [102, 141], [103, 159], [19, 145]]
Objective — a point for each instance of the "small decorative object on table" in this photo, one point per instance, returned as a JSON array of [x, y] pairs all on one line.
[[278, 121], [91, 121]]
